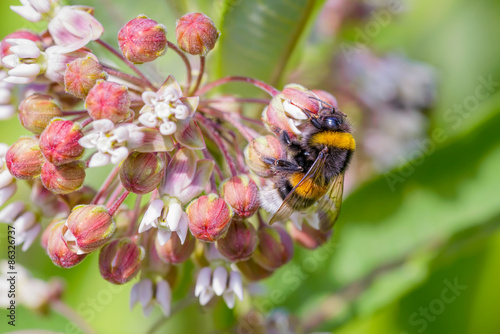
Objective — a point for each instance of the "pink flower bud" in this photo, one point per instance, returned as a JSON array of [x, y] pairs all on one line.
[[82, 196], [59, 142], [108, 100], [253, 271], [142, 39], [20, 34], [260, 148], [37, 110], [82, 74], [242, 194], [173, 251], [275, 248], [44, 238], [58, 251], [63, 179], [240, 241], [24, 159], [87, 228], [327, 97], [196, 34], [120, 261], [141, 173], [309, 237], [209, 217]]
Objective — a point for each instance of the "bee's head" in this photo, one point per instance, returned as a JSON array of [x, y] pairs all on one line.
[[329, 118]]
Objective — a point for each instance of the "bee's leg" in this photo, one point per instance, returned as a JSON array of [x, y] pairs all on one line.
[[291, 144], [280, 165]]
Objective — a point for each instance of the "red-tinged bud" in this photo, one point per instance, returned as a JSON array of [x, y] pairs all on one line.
[[142, 39], [258, 150], [309, 237], [21, 34], [196, 34], [82, 74], [120, 261], [253, 271], [87, 228], [240, 241], [63, 179], [108, 100], [141, 173], [44, 238], [59, 142], [24, 159], [57, 250], [275, 247], [242, 194], [209, 217], [37, 110], [173, 251]]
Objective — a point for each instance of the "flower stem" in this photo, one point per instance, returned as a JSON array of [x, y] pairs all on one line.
[[200, 75], [106, 184], [128, 63], [186, 62], [86, 122], [214, 133], [74, 112], [118, 202], [137, 211], [234, 99], [127, 77], [66, 311], [257, 83]]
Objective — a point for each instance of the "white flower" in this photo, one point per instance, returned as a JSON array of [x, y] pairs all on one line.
[[26, 61], [27, 229], [6, 107], [298, 219], [73, 27], [167, 216], [31, 292], [220, 283], [110, 140], [142, 292], [165, 107], [33, 10]]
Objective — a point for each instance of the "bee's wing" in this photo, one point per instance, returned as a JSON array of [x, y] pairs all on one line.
[[315, 174], [329, 206]]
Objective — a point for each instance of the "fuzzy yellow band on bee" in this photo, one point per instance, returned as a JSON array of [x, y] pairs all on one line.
[[343, 140], [308, 189]]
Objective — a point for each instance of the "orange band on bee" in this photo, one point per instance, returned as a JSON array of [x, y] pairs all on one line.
[[308, 189], [343, 140]]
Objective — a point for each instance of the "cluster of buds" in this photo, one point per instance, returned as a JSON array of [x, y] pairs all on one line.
[[163, 140]]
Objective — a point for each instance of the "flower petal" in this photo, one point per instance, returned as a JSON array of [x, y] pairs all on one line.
[[11, 212], [164, 296], [188, 134], [203, 280], [163, 236], [236, 284], [99, 159], [7, 192], [152, 213], [219, 280]]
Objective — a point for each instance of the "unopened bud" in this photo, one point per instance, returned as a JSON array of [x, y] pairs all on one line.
[[242, 194], [44, 238], [120, 261], [209, 217], [57, 250], [59, 142], [63, 179], [309, 237], [196, 34], [142, 39], [240, 241], [275, 248], [141, 173], [87, 228], [252, 270], [108, 100], [37, 110], [24, 159], [83, 195], [173, 251], [82, 74], [258, 150]]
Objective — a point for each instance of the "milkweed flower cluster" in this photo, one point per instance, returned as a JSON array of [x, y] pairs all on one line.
[[182, 187]]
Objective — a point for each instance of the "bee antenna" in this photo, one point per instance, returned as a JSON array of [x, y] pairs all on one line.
[[321, 101]]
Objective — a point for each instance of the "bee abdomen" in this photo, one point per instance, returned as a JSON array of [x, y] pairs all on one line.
[[341, 140]]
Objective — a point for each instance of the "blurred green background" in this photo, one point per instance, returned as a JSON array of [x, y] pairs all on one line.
[[416, 256]]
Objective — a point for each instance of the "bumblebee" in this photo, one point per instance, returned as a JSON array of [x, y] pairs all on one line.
[[311, 177]]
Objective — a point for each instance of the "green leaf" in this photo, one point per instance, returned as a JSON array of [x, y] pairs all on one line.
[[259, 37]]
